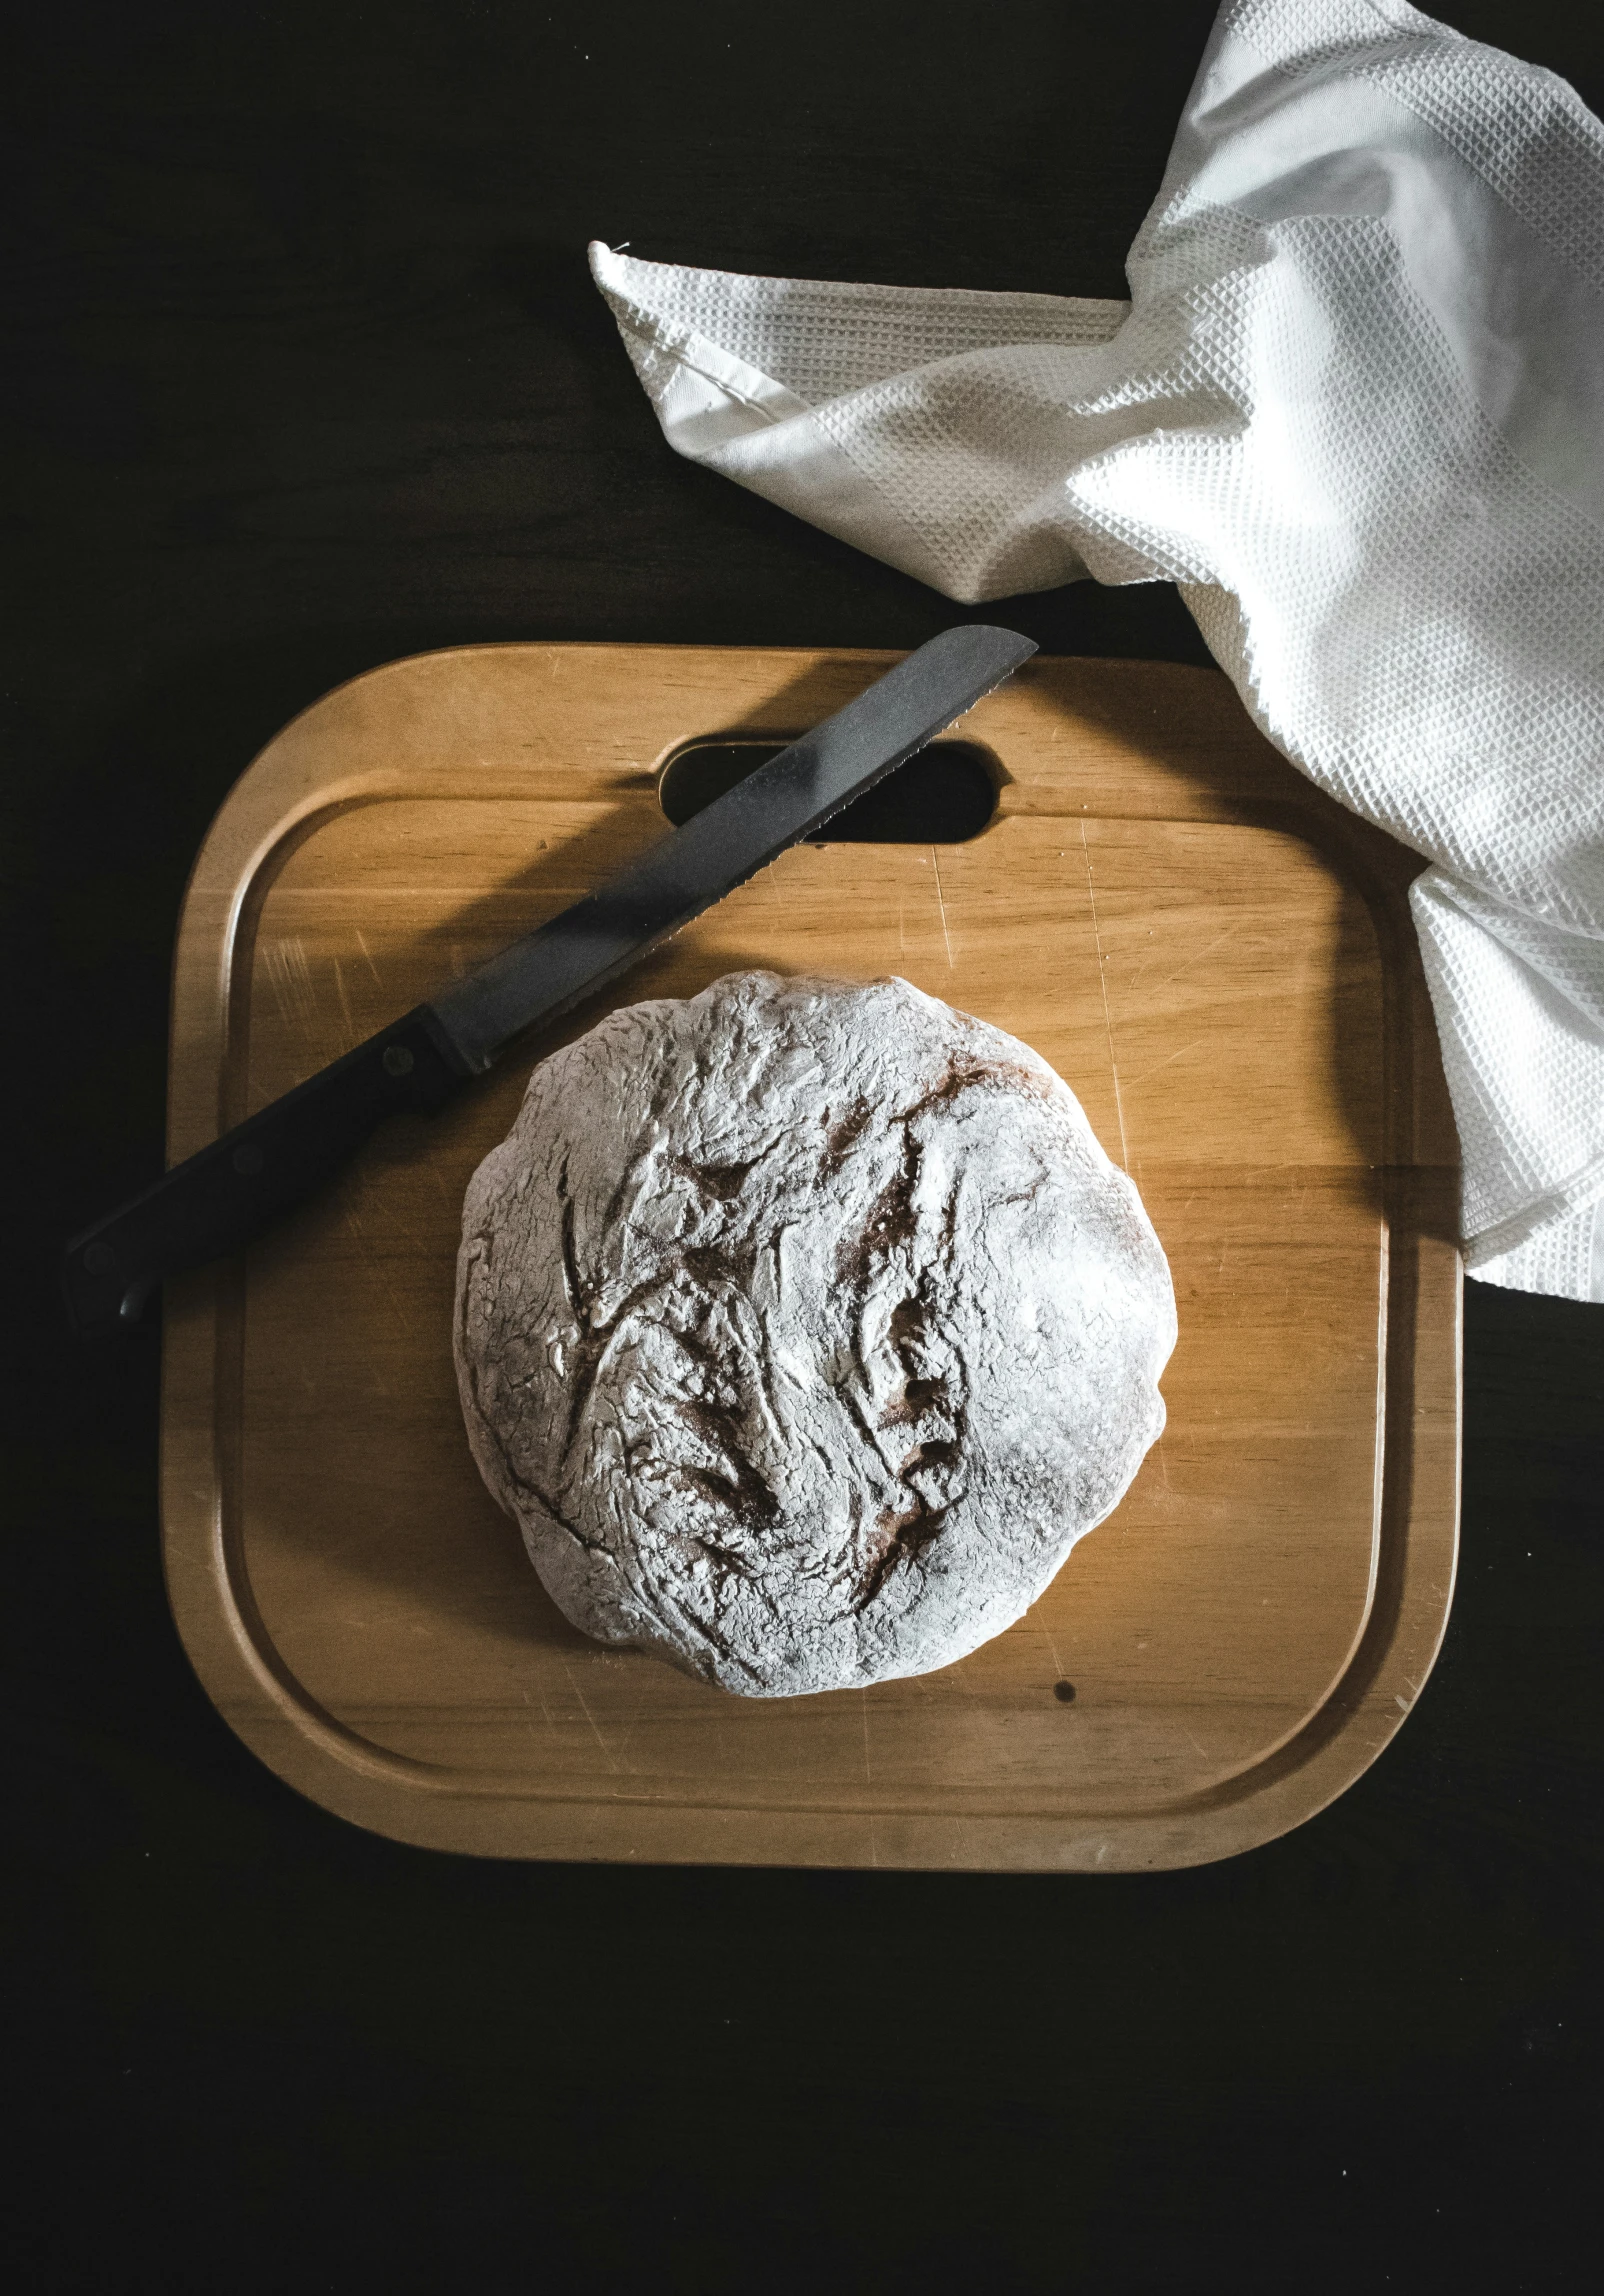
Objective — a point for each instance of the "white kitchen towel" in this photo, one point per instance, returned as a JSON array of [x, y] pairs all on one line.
[[1355, 409]]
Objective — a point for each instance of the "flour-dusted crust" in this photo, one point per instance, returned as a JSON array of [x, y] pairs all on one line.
[[803, 1327]]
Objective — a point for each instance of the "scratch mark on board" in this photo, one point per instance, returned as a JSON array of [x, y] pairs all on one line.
[[345, 1002], [1165, 1062], [1195, 958], [589, 1717], [367, 955], [935, 863], [1060, 1670], [289, 975]]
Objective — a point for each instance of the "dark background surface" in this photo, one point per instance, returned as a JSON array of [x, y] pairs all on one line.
[[305, 373]]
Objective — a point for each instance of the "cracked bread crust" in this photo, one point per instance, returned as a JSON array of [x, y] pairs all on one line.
[[803, 1327]]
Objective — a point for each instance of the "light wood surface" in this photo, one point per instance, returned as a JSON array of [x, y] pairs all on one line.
[[1217, 960]]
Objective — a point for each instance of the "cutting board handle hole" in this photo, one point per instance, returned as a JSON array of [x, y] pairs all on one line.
[[944, 795]]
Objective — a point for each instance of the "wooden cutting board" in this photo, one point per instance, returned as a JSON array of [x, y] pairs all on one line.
[[1220, 963]]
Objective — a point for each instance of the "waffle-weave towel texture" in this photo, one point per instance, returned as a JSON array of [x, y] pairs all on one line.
[[1354, 407]]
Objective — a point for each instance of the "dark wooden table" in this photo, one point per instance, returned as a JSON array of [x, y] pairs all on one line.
[[305, 372]]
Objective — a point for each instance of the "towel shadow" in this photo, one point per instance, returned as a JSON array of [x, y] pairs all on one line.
[[1380, 1041]]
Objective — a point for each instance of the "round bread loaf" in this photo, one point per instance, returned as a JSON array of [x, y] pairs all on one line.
[[803, 1327]]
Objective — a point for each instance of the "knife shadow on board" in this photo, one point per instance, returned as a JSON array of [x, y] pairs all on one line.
[[1189, 723], [564, 872]]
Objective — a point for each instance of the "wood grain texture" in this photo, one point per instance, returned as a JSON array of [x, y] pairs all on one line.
[[1219, 963]]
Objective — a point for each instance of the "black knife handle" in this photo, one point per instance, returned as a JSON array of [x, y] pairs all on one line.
[[216, 1201]]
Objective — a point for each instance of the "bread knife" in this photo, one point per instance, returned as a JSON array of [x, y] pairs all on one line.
[[213, 1203]]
